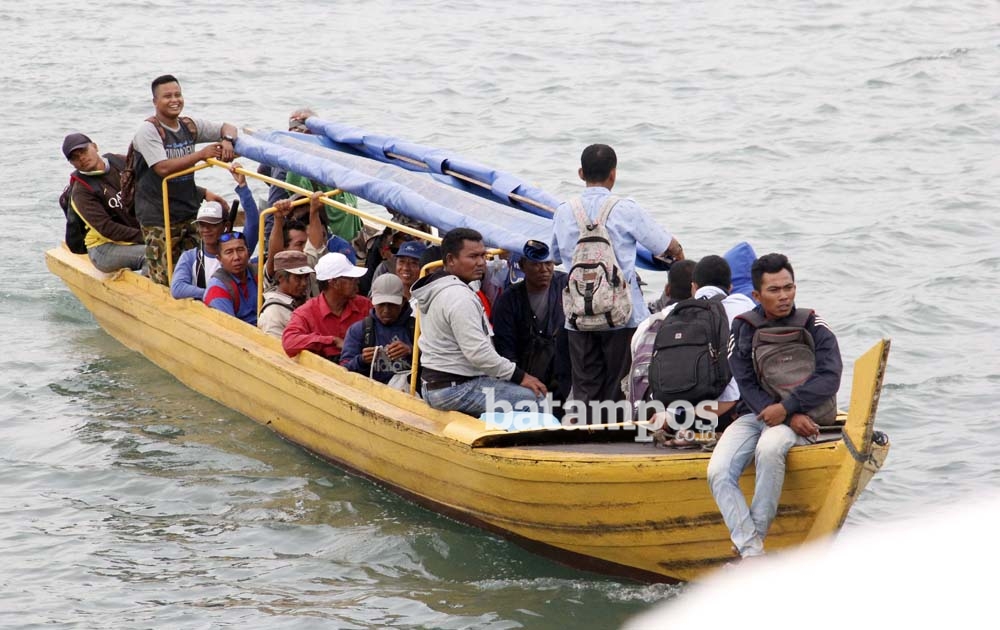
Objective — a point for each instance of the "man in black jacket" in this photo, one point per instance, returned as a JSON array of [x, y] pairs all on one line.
[[113, 238], [770, 425], [529, 324]]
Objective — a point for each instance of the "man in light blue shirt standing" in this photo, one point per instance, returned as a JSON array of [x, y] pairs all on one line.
[[600, 359]]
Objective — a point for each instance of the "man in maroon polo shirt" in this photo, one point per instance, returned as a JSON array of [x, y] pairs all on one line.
[[321, 324]]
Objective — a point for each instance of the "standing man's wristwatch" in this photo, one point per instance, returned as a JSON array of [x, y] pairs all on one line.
[[231, 139]]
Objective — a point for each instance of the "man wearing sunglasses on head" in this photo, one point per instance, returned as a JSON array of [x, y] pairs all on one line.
[[233, 288]]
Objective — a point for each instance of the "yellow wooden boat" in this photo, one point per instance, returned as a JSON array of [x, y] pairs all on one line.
[[617, 507]]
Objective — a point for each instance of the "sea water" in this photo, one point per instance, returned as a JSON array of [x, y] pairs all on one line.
[[860, 139]]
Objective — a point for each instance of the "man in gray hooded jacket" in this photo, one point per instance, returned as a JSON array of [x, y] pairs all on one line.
[[462, 371]]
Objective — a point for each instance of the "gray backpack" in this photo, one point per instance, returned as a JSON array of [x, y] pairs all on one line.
[[597, 296], [784, 357]]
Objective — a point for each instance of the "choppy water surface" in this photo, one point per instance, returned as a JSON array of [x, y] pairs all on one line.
[[859, 140]]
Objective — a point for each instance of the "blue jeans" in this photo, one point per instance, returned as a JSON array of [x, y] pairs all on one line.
[[471, 396], [749, 437], [112, 257]]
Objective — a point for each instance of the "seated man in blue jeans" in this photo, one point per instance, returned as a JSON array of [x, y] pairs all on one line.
[[462, 371], [769, 427]]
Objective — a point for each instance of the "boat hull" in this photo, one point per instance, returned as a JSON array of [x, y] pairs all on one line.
[[619, 508]]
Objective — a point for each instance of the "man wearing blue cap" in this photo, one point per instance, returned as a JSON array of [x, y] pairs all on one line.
[[408, 264], [528, 322]]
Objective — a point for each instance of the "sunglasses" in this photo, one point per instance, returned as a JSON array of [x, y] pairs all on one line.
[[229, 236]]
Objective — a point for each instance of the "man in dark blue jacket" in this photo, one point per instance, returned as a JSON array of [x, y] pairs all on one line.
[[769, 426], [385, 337], [529, 324]]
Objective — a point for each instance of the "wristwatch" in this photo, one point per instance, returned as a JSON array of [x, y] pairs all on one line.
[[231, 139]]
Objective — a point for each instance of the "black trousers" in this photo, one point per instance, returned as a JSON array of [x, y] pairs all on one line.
[[599, 361]]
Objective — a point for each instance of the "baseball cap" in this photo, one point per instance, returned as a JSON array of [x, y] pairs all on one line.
[[335, 265], [210, 212], [387, 288], [74, 141], [537, 251], [411, 249], [338, 244], [292, 261]]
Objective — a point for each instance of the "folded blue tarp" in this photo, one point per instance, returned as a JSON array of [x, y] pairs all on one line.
[[351, 159], [413, 195], [436, 162]]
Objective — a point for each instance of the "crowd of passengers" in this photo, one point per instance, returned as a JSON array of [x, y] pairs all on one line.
[[492, 328]]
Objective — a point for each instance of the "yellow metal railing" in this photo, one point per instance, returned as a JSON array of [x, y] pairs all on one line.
[[166, 216], [415, 358], [365, 216], [326, 200]]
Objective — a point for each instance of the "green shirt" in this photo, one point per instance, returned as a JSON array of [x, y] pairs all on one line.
[[340, 223]]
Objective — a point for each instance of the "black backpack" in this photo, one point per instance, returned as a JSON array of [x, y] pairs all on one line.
[[76, 227], [690, 360]]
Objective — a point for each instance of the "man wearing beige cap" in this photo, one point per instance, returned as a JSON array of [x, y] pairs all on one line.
[[381, 345], [321, 324], [292, 272]]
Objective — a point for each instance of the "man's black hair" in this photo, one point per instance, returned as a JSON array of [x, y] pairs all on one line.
[[713, 271], [679, 279], [769, 263], [431, 254], [288, 226], [322, 284], [163, 78], [454, 240], [597, 161]]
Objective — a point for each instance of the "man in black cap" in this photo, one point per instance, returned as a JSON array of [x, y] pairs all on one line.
[[529, 324], [113, 238]]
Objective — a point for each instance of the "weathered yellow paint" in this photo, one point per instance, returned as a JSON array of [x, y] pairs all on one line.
[[851, 477], [646, 510]]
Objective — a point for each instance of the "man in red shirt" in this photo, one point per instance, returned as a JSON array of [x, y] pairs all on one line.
[[321, 324]]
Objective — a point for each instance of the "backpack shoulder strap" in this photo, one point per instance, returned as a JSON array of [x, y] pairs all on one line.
[[115, 160], [582, 220], [76, 177], [800, 318], [609, 204], [199, 263], [187, 123], [753, 318], [272, 302], [159, 127], [191, 126]]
